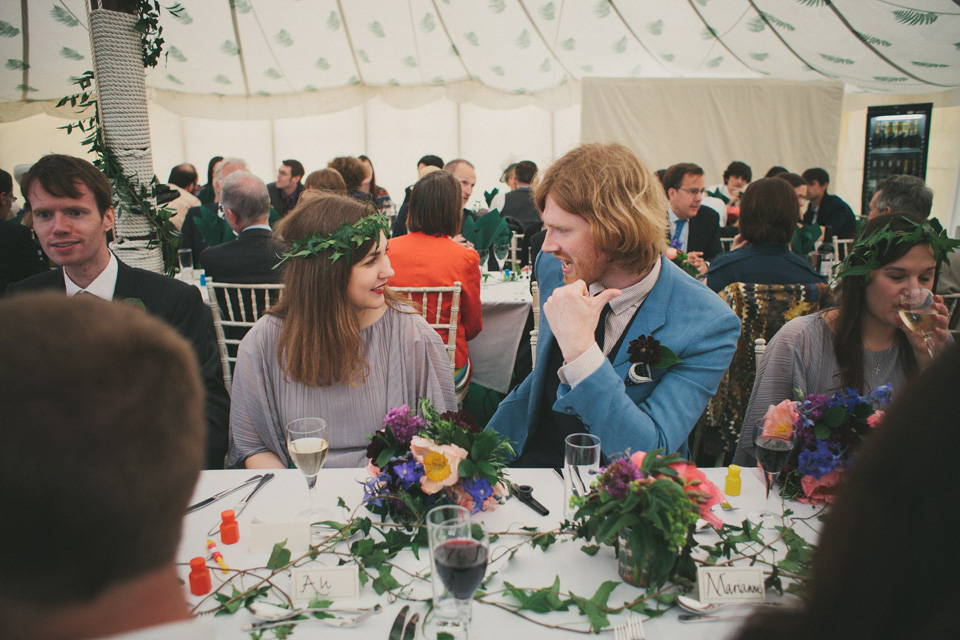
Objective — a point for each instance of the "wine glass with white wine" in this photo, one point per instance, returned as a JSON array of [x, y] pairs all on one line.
[[307, 444], [919, 313]]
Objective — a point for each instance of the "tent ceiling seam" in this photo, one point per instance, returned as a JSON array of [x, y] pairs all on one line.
[[542, 39], [876, 51], [716, 38], [416, 43], [25, 41], [346, 32], [784, 42], [443, 24], [236, 34], [637, 38]]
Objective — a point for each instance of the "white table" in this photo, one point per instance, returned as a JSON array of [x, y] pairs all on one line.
[[282, 498], [493, 352]]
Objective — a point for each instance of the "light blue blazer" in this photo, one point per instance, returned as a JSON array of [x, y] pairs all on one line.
[[683, 315]]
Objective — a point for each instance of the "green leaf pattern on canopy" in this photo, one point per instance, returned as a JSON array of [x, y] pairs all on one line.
[[915, 18], [176, 54], [836, 59], [548, 11], [7, 30], [70, 54], [428, 24], [63, 16], [655, 28]]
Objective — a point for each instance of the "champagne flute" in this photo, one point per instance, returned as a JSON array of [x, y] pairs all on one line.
[[918, 312], [307, 445], [771, 449], [459, 551], [484, 260], [501, 251]]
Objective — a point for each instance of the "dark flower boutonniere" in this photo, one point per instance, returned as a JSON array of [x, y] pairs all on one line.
[[646, 353]]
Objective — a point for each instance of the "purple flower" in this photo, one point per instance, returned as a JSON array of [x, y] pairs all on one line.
[[371, 490], [408, 472], [818, 463], [403, 423], [814, 406], [617, 477], [479, 489]]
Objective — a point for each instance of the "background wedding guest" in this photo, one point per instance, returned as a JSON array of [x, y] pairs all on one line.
[[352, 171], [768, 217], [399, 225], [326, 180], [724, 198], [825, 209], [286, 190], [105, 444], [694, 228], [207, 193], [337, 345], [863, 343], [428, 257], [369, 185], [879, 567]]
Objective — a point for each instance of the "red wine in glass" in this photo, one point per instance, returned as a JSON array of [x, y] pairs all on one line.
[[461, 565]]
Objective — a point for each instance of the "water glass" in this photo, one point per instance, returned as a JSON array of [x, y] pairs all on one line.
[[581, 463], [446, 522], [186, 263]]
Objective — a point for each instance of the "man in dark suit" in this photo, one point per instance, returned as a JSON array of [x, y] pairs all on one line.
[[285, 192], [694, 228], [825, 209], [72, 212], [203, 227], [20, 257], [518, 205], [252, 257]]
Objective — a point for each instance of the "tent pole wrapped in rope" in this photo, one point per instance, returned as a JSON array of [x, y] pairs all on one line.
[[125, 126]]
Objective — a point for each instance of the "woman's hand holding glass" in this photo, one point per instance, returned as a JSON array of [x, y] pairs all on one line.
[[924, 319]]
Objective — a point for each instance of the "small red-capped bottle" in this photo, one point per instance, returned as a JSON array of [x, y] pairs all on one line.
[[200, 583], [229, 529]]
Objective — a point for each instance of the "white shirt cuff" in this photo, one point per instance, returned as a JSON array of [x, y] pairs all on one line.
[[573, 373]]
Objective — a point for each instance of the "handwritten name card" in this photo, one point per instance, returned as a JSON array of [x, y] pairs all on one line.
[[731, 584], [326, 583]]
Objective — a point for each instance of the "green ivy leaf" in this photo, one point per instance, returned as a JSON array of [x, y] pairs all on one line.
[[63, 16], [428, 24], [915, 18], [279, 557], [180, 14], [548, 11], [708, 33], [7, 30], [655, 28], [385, 581], [669, 57], [590, 549], [21, 87]]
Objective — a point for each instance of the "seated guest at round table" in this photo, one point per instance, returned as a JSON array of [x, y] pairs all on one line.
[[863, 343], [337, 346], [428, 257], [768, 216], [892, 523]]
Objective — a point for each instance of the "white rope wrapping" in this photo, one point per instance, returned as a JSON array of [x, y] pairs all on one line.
[[122, 98]]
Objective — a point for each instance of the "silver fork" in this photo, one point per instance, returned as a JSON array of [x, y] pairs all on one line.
[[632, 629]]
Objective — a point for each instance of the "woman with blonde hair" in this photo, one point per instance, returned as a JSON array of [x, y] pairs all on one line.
[[337, 346], [326, 180]]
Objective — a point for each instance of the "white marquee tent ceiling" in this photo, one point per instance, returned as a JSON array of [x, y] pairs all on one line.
[[253, 48]]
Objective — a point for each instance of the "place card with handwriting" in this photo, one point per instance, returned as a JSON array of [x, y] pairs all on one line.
[[730, 584], [325, 583]]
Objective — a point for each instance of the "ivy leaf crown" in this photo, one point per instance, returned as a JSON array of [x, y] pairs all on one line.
[[341, 242], [867, 252]]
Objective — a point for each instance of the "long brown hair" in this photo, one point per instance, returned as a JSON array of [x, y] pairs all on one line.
[[320, 343], [848, 332]]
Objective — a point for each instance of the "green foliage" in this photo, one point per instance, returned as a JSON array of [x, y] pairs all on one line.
[[836, 59], [546, 65], [873, 40], [280, 556], [377, 29], [322, 64], [570, 44], [759, 57], [362, 54], [523, 40], [548, 11], [222, 79], [715, 62], [241, 6], [283, 38], [341, 242], [771, 19], [929, 65], [428, 24], [498, 70], [602, 8], [813, 3], [915, 18], [620, 45], [7, 30], [230, 48], [333, 21], [867, 252], [496, 6], [708, 33], [273, 73], [655, 28], [176, 54], [70, 54], [180, 13], [63, 16], [756, 24], [14, 64]]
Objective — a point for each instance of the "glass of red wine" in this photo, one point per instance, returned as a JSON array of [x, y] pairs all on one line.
[[771, 448], [459, 549]]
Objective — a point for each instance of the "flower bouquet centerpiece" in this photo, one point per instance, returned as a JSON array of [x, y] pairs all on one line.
[[421, 461], [649, 505], [829, 429]]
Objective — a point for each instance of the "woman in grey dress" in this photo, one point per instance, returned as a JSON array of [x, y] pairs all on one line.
[[863, 343], [338, 345]]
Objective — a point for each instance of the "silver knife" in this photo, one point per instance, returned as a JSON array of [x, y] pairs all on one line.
[[214, 498], [396, 632], [240, 506]]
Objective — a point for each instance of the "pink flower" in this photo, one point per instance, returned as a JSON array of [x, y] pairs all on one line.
[[779, 419], [441, 463], [637, 458], [876, 418], [700, 490], [671, 253], [822, 490], [372, 469]]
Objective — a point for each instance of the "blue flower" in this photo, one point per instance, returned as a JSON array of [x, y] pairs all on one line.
[[818, 463], [408, 473], [479, 489], [881, 394], [371, 490]]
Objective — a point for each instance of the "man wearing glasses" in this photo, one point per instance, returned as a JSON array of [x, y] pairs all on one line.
[[694, 228]]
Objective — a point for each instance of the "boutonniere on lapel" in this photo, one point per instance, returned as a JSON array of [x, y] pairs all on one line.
[[135, 302], [646, 353]]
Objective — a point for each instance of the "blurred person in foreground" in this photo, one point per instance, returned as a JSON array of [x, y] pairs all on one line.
[[769, 211], [606, 289], [863, 343], [428, 257], [883, 564], [98, 471], [337, 345]]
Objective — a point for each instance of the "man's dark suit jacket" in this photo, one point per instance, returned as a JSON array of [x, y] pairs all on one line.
[[250, 259], [277, 202], [202, 228], [20, 257], [833, 213], [181, 306], [704, 233]]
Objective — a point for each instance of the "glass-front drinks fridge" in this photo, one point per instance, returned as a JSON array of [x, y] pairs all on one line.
[[896, 142]]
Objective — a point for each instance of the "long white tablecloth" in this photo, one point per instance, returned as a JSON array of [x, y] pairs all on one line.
[[494, 350], [282, 498]]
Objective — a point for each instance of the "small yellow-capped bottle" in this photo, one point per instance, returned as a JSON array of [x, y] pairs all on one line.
[[732, 486]]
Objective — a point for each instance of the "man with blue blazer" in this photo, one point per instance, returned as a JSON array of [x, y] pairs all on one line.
[[72, 212], [607, 290]]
